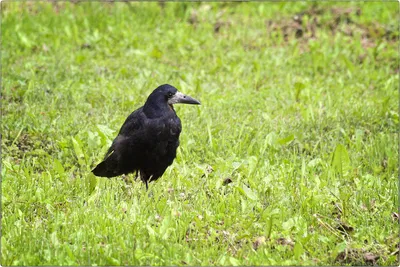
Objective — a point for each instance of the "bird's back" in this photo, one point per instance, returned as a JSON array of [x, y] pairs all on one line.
[[143, 143], [148, 139]]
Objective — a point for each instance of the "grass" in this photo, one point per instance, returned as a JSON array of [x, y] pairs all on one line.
[[299, 115]]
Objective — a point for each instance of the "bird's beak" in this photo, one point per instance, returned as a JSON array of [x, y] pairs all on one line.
[[182, 99]]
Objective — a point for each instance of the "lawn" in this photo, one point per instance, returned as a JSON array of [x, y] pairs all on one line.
[[292, 158]]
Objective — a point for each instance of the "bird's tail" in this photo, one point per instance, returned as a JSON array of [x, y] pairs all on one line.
[[109, 166], [102, 170]]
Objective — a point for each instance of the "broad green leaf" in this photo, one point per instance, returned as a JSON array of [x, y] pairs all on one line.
[[286, 140], [247, 192], [271, 139], [78, 151], [156, 53], [24, 39], [113, 261], [339, 248], [58, 167], [298, 250], [93, 140], [269, 227], [289, 224], [348, 63], [298, 87], [105, 133], [314, 162], [340, 159], [54, 239], [234, 261], [105, 130], [69, 252], [165, 225], [151, 231], [91, 180]]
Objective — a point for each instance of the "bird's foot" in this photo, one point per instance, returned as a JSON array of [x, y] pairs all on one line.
[[127, 179]]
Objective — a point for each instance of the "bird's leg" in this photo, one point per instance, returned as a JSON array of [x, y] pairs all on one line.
[[149, 180], [137, 174], [125, 177], [144, 177]]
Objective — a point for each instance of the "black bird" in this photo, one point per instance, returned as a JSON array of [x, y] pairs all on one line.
[[148, 139]]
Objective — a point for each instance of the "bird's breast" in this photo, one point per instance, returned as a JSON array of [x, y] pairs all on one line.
[[165, 128]]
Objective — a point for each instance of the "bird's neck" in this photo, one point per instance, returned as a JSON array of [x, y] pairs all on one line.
[[156, 109]]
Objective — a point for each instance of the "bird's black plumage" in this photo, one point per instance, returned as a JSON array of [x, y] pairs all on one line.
[[148, 139]]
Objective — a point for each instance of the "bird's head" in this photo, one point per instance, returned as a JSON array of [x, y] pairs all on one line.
[[173, 96], [167, 95]]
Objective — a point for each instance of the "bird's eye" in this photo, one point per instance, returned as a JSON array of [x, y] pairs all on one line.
[[170, 94]]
